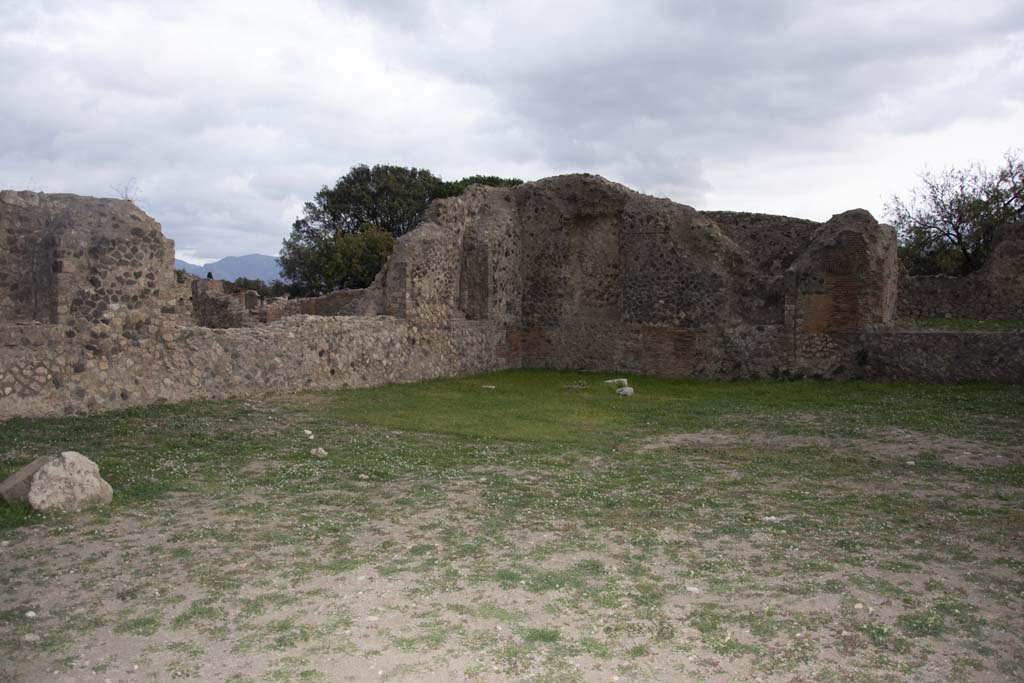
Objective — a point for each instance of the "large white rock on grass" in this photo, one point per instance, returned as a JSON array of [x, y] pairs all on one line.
[[67, 483]]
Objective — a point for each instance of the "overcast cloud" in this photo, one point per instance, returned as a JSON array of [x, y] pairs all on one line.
[[230, 114]]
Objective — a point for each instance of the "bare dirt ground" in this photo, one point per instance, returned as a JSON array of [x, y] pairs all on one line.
[[896, 444], [719, 554]]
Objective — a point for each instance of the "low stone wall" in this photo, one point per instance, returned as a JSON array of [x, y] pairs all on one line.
[[666, 351], [973, 297], [996, 292], [342, 302], [47, 373], [944, 356], [213, 307]]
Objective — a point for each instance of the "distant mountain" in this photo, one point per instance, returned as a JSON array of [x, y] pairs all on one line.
[[253, 266]]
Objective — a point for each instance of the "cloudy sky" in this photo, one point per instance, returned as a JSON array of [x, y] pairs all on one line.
[[228, 115]]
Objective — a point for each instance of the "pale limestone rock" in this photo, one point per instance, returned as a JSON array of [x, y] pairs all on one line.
[[68, 483]]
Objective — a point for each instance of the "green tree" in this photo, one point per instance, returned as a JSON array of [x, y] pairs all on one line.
[[948, 224], [357, 258], [340, 240], [388, 198], [454, 188], [335, 261]]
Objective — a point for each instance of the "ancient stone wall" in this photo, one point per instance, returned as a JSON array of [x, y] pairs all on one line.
[[341, 302], [27, 279], [45, 373], [213, 306], [611, 278], [973, 297], [80, 259], [569, 272], [941, 356], [771, 243], [996, 292]]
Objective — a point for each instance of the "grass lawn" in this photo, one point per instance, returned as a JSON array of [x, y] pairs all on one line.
[[540, 530]]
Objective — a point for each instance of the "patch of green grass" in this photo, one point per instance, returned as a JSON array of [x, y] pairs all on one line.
[[146, 453], [712, 622], [288, 633], [12, 516], [533, 406], [883, 638], [251, 607], [596, 647], [184, 668], [278, 634], [541, 635], [200, 614], [922, 624], [293, 670], [638, 651], [1010, 475], [185, 647], [145, 625], [429, 635]]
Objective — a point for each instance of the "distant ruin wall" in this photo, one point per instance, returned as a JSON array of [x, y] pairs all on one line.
[[996, 292], [213, 307], [340, 302], [974, 297], [942, 356]]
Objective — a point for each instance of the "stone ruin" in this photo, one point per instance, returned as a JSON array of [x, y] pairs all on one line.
[[567, 272]]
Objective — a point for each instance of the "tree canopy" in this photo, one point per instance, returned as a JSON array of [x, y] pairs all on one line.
[[948, 223], [347, 231], [454, 188]]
